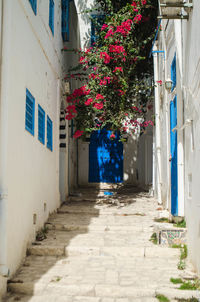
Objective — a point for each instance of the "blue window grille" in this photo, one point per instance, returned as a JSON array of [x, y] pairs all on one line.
[[41, 124], [34, 6], [97, 22], [30, 112], [51, 15], [173, 73], [49, 133], [65, 20]]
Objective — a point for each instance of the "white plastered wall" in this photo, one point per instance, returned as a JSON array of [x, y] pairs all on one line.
[[31, 59]]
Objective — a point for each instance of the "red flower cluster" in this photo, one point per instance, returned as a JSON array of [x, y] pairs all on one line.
[[70, 112], [105, 81], [138, 18], [104, 26], [117, 49], [88, 101], [118, 68], [78, 133], [105, 56], [109, 33], [98, 106]]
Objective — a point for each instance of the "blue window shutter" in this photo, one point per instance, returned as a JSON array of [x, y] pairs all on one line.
[[65, 20], [51, 15], [41, 124], [173, 73], [34, 6], [30, 112], [49, 134], [97, 22]]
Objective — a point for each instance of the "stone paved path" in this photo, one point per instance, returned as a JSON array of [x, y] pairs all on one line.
[[95, 252]]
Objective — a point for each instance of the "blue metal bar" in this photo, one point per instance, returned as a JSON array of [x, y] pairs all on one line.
[[159, 23], [158, 51]]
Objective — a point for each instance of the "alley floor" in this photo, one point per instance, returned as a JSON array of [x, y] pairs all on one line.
[[98, 249]]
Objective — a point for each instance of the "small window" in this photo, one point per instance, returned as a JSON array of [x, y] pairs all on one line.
[[30, 112], [65, 20], [96, 24], [34, 6], [41, 124], [49, 134], [173, 73], [51, 15]]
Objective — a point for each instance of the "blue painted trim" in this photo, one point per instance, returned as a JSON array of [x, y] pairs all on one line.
[[41, 124], [49, 133], [30, 113], [99, 19], [159, 51], [173, 72], [174, 155], [33, 4], [51, 15], [65, 20], [155, 38]]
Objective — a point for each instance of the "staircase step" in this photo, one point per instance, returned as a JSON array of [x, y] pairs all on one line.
[[59, 298]]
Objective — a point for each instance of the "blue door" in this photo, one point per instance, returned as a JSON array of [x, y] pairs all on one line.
[[105, 158], [174, 167]]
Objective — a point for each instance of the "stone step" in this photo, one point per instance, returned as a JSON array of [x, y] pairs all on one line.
[[59, 298], [91, 290], [96, 228], [176, 293]]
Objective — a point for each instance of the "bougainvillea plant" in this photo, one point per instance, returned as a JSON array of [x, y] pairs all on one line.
[[115, 91]]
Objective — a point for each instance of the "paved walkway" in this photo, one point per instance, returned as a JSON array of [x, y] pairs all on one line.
[[98, 250]]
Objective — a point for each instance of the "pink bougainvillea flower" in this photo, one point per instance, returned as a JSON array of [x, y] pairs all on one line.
[[109, 33], [98, 106], [159, 82], [138, 18], [125, 129], [134, 4], [112, 135], [88, 101], [99, 96], [136, 10], [69, 117], [104, 26], [104, 55], [121, 92], [103, 82], [78, 133], [144, 2], [118, 69], [71, 108]]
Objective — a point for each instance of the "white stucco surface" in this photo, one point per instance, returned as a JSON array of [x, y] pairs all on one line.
[[181, 37], [29, 175]]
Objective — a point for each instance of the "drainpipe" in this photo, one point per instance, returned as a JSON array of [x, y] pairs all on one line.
[[4, 88], [157, 146]]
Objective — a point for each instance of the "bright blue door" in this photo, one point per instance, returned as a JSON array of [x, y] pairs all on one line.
[[105, 158], [174, 167]]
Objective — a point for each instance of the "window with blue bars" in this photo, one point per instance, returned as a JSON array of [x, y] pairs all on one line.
[[30, 112], [96, 24], [49, 133], [173, 72], [65, 20], [51, 15], [41, 124], [34, 6]]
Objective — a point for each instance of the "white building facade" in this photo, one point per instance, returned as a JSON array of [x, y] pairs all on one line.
[[176, 57]]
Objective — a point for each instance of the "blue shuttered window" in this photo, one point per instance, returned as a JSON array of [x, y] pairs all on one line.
[[96, 24], [65, 20], [49, 134], [41, 124], [30, 112], [34, 6], [173, 73], [51, 15]]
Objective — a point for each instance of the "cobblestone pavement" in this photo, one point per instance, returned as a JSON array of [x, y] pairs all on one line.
[[98, 250]]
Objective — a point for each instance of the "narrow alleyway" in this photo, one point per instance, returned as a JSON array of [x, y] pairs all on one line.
[[99, 251]]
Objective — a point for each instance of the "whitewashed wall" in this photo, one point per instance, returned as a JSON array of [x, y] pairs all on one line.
[[181, 37], [191, 92], [29, 172]]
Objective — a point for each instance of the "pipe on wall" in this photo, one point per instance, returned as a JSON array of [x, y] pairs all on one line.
[[157, 146]]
